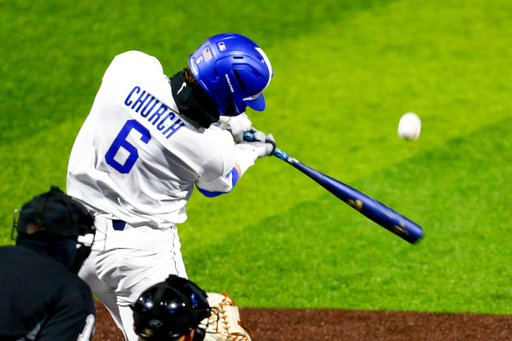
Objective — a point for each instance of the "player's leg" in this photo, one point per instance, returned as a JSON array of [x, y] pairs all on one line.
[[102, 291], [89, 274], [132, 270]]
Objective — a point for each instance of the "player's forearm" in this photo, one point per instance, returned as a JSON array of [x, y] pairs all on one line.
[[239, 170], [243, 160], [245, 156]]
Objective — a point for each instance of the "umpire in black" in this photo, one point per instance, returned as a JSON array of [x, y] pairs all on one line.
[[41, 297]]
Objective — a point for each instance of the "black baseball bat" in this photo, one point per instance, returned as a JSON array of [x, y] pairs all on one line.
[[367, 206]]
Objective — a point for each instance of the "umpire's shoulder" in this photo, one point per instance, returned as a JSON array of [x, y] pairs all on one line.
[[77, 294]]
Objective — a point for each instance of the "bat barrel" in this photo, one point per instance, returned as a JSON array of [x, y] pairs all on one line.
[[367, 206]]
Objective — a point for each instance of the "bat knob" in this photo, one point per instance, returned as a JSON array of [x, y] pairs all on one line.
[[248, 136]]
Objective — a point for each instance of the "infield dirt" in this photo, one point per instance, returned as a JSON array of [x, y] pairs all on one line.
[[351, 325]]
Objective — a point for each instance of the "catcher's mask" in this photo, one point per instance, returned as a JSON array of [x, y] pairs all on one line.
[[54, 216], [171, 309]]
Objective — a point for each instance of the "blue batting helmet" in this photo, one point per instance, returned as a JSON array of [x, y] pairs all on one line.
[[234, 71]]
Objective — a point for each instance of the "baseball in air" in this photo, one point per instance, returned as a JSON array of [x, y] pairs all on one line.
[[409, 127]]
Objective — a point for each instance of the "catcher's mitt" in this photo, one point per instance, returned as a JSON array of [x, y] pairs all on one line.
[[224, 323]]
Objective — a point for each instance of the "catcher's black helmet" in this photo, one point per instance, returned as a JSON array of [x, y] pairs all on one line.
[[170, 309]]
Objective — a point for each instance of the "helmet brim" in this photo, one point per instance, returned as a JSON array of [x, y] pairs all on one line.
[[256, 104]]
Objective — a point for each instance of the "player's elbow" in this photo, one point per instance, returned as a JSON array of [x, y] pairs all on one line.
[[234, 174]]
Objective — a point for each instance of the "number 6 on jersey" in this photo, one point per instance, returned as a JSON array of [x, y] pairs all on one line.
[[121, 141]]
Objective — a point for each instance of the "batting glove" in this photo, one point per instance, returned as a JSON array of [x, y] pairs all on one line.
[[262, 145], [237, 125]]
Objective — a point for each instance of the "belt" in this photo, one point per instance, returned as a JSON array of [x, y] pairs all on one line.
[[118, 225]]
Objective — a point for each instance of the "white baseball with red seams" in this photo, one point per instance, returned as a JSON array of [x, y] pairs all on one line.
[[409, 127]]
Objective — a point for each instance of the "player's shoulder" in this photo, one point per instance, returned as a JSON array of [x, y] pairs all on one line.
[[218, 132], [133, 62], [221, 141], [218, 128], [133, 56], [203, 144]]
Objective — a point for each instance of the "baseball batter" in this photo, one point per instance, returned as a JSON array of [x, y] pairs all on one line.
[[147, 141]]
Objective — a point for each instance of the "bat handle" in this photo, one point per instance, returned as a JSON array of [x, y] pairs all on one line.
[[249, 137]]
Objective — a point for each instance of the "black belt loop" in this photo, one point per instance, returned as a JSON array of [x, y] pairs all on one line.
[[118, 225]]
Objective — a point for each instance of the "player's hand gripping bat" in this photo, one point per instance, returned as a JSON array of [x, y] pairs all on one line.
[[369, 207]]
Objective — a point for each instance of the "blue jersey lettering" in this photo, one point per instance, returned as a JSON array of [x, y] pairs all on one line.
[[127, 100], [145, 101], [147, 105], [170, 116], [140, 102], [158, 113], [150, 110], [174, 128]]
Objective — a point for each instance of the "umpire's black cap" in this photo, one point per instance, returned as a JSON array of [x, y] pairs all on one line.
[[54, 214]]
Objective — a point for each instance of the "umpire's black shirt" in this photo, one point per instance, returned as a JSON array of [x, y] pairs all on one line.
[[40, 299]]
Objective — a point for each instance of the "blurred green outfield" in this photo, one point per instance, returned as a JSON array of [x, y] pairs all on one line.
[[345, 71]]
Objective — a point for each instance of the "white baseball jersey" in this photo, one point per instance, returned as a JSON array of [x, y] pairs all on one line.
[[135, 158]]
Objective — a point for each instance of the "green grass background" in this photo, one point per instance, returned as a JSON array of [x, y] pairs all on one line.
[[344, 73]]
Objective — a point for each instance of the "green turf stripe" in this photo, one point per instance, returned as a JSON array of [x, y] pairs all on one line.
[[322, 253]]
